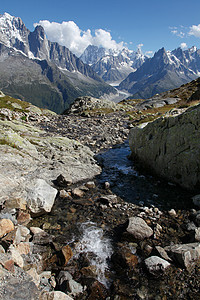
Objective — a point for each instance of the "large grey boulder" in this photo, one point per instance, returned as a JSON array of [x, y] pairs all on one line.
[[40, 197], [139, 228], [170, 146]]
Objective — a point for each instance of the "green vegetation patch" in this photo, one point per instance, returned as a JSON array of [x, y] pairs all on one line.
[[13, 104], [149, 115]]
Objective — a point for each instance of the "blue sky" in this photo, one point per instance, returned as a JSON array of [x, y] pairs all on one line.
[[153, 24]]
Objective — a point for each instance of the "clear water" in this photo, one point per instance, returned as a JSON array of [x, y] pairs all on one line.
[[136, 187], [93, 240]]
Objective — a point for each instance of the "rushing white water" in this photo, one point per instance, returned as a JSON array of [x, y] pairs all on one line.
[[94, 241]]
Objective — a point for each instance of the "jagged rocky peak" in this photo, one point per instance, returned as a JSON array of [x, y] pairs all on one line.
[[113, 65], [57, 76], [38, 43], [92, 54], [161, 53]]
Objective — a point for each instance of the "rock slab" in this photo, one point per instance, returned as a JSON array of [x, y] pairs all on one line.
[[170, 147]]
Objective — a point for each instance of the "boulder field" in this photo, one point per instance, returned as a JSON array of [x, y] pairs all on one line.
[[169, 147]]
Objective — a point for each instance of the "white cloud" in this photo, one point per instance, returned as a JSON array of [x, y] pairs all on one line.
[[70, 35], [180, 32], [183, 46], [195, 30], [140, 46], [149, 53]]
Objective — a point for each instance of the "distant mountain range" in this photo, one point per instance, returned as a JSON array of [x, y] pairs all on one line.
[[141, 76], [166, 70], [111, 65], [48, 75]]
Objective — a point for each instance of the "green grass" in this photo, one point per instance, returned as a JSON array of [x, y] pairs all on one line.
[[151, 114], [6, 102]]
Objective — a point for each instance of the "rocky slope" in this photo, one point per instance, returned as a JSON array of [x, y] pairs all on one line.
[[169, 147], [24, 147], [57, 76]]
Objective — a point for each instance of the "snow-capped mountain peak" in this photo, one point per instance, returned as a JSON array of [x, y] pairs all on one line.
[[11, 30], [113, 65]]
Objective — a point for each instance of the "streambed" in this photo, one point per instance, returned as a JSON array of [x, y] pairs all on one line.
[[138, 187], [106, 262]]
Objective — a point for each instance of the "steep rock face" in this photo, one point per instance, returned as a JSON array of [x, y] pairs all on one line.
[[169, 146]]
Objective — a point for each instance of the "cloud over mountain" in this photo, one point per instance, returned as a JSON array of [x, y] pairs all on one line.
[[195, 30], [70, 35]]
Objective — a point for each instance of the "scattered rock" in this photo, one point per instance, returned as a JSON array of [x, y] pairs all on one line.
[[77, 192], [139, 228], [56, 295], [41, 197], [21, 234], [18, 285], [16, 256], [36, 230], [107, 185], [172, 212], [63, 181], [90, 184], [64, 194], [7, 262], [161, 251], [89, 272], [2, 250], [108, 199], [157, 231], [6, 226], [196, 200], [98, 291], [68, 285], [67, 254], [197, 234], [23, 218], [35, 277], [23, 248], [185, 254], [156, 264], [74, 288]]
